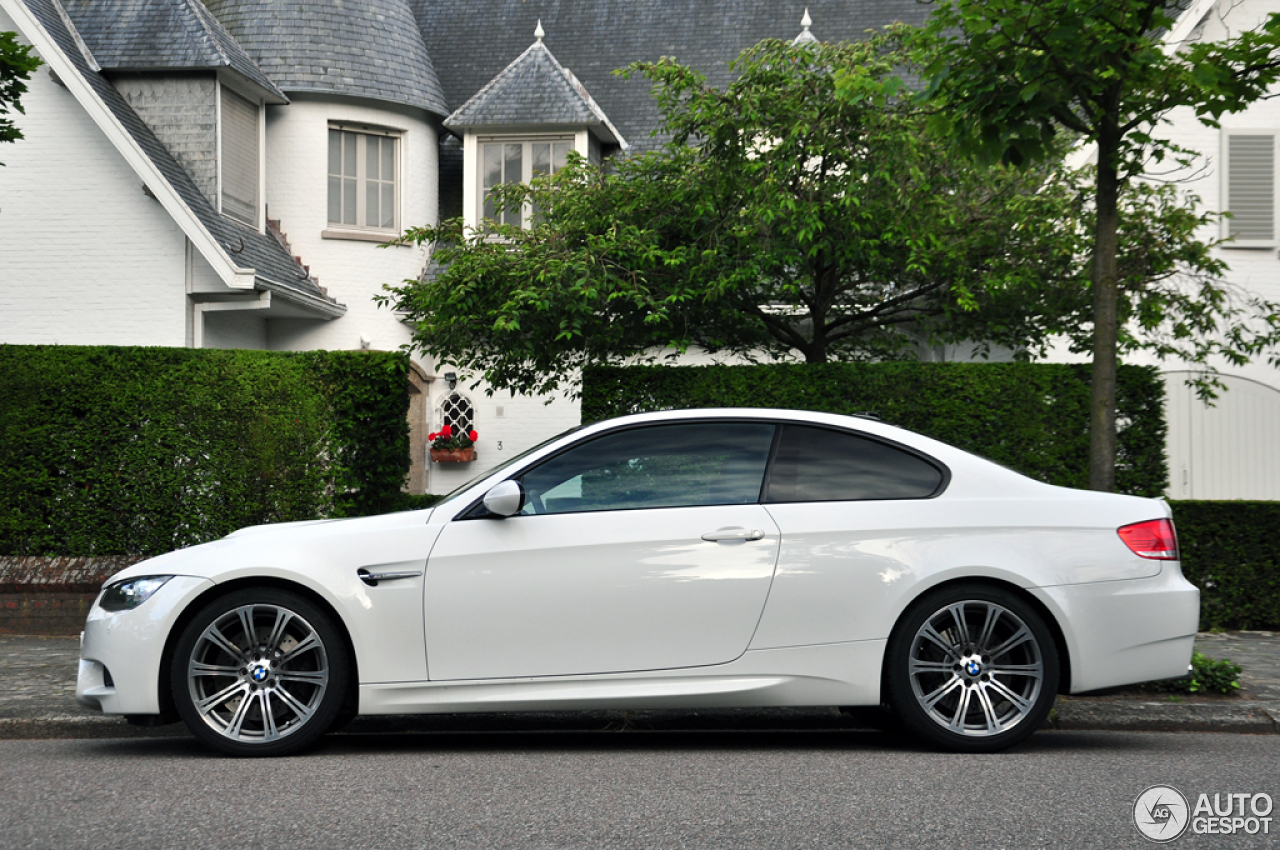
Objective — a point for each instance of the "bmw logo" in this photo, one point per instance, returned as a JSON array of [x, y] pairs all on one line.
[[973, 668], [259, 673]]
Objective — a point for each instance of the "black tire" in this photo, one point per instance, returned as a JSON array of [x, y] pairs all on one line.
[[260, 672], [971, 668]]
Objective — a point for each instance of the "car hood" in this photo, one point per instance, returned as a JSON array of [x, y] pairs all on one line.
[[284, 543]]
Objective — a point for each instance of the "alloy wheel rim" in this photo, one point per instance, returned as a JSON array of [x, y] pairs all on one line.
[[976, 668], [258, 673]]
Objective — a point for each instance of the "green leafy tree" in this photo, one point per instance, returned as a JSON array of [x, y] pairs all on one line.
[[16, 66], [1009, 78], [777, 220], [1172, 299]]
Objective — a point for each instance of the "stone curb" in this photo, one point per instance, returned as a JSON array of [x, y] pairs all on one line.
[[1125, 716], [78, 727], [1070, 715]]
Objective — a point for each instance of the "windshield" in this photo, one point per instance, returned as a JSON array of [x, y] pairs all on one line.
[[457, 491]]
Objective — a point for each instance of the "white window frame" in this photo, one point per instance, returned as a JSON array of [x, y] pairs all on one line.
[[341, 230], [1227, 134], [222, 88], [526, 139]]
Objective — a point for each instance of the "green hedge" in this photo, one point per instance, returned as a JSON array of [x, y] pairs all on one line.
[[416, 501], [115, 451], [1229, 551], [1030, 417]]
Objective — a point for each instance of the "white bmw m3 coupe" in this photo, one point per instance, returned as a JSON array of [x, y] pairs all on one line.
[[685, 559]]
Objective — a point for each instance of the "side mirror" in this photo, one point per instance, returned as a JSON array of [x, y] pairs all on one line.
[[505, 499]]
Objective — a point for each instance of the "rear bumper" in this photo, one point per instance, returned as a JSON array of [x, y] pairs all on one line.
[[1125, 632]]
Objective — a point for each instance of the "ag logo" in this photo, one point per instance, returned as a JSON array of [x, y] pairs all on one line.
[[1161, 813]]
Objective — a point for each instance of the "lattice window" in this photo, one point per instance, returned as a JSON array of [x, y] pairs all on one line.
[[457, 412]]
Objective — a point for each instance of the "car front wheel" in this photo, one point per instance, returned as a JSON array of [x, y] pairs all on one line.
[[972, 668], [260, 672]]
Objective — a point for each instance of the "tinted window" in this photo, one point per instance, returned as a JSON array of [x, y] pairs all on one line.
[[820, 465], [699, 463]]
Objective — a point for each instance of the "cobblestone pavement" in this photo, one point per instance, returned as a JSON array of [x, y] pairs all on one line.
[[37, 699], [39, 677], [1257, 652]]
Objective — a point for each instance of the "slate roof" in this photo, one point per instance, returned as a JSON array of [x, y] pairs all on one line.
[[275, 270], [145, 35], [533, 89], [471, 42], [361, 48]]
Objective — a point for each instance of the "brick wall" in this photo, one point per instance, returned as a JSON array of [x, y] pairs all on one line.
[[52, 596], [85, 256], [46, 614]]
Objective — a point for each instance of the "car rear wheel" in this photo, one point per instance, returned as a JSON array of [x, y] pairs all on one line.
[[972, 668], [260, 672]]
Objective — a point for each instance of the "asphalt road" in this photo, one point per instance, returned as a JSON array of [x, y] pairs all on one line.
[[620, 789]]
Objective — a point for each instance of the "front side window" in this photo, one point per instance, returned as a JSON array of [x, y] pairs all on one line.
[[667, 466], [362, 180], [517, 161], [822, 465]]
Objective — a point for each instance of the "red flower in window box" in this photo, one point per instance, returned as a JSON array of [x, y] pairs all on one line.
[[450, 447]]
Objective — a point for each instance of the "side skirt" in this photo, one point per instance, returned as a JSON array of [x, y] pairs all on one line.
[[829, 674]]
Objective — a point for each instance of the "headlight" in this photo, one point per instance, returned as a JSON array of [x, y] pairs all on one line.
[[130, 593]]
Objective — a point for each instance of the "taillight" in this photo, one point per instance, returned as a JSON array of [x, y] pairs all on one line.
[[1154, 539]]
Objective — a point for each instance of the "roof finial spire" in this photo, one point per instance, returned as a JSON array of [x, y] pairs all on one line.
[[805, 37], [538, 32]]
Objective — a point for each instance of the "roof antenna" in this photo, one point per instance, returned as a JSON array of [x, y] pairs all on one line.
[[538, 32]]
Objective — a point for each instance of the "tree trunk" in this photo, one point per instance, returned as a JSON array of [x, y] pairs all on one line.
[[1102, 406]]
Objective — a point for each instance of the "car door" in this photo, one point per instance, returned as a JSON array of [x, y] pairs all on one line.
[[851, 509], [640, 549]]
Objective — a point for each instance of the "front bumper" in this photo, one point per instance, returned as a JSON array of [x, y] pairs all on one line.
[[121, 651], [1125, 632]]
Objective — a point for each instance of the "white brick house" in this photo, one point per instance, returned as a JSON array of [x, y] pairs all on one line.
[[220, 174]]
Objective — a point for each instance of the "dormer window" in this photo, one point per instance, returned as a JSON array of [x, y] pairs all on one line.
[[240, 157], [505, 160], [522, 125]]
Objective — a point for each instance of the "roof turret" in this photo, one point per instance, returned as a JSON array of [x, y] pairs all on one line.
[[371, 49]]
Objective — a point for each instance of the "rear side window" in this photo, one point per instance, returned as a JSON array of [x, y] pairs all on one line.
[[822, 465]]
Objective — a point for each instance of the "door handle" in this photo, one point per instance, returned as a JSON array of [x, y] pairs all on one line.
[[733, 534]]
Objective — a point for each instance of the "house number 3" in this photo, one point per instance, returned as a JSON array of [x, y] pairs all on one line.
[[499, 445]]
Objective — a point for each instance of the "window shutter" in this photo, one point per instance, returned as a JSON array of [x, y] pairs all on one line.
[[1251, 178], [239, 158]]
